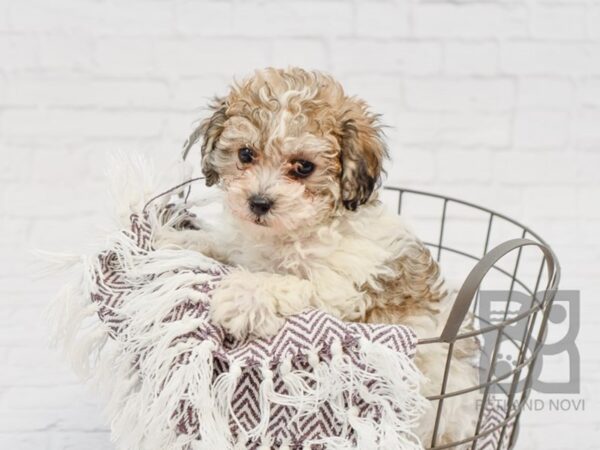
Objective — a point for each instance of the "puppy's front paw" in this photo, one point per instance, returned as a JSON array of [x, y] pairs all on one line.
[[243, 306]]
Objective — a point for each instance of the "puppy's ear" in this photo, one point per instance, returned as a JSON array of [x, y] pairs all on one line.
[[210, 129], [362, 154]]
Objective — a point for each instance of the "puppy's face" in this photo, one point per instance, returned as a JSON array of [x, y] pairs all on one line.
[[291, 150]]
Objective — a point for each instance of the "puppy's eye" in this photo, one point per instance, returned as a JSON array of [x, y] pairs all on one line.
[[302, 168], [246, 155]]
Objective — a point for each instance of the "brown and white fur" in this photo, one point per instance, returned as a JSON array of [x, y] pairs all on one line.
[[325, 241]]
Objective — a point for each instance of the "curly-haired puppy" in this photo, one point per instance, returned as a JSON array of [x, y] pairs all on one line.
[[298, 161]]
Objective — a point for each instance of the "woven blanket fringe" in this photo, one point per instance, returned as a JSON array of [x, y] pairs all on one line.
[[146, 371]]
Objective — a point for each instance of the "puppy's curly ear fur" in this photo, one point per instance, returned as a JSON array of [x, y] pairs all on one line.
[[210, 129], [362, 154]]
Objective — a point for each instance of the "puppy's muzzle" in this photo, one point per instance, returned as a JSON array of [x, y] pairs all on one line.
[[260, 205]]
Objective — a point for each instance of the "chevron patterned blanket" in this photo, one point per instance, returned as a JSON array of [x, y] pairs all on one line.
[[176, 381]]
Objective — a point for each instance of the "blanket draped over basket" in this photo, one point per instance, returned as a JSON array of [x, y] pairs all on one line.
[[176, 381], [136, 322]]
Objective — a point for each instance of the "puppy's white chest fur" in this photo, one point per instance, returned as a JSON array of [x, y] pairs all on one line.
[[338, 259]]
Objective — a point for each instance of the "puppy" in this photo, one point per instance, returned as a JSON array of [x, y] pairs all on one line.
[[299, 162]]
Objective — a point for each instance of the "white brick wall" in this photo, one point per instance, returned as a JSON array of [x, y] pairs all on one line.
[[494, 101]]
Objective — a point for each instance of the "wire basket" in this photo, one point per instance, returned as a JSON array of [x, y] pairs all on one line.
[[511, 264]]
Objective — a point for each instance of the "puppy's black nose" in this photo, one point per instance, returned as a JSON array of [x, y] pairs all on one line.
[[260, 205]]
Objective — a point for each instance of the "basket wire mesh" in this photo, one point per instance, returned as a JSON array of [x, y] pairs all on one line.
[[522, 262]]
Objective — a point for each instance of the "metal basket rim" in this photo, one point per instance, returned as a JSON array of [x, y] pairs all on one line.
[[447, 198]]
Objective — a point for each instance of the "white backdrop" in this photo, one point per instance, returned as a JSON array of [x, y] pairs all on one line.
[[497, 102]]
